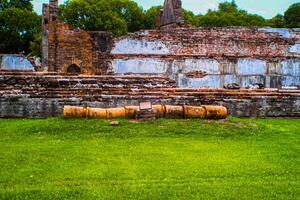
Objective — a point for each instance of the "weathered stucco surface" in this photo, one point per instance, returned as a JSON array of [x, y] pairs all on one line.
[[15, 62], [212, 57], [134, 46], [44, 95]]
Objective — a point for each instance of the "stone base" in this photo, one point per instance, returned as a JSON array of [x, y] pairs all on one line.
[[38, 95], [145, 115]]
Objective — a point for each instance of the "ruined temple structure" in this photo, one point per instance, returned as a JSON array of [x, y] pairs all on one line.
[[67, 49], [193, 57], [170, 16], [171, 65]]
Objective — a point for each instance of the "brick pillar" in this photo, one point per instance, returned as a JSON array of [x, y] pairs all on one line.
[[52, 39], [172, 14], [45, 36], [49, 35], [53, 10]]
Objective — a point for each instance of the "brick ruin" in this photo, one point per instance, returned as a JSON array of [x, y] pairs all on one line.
[[67, 49], [170, 16], [171, 65], [212, 57]]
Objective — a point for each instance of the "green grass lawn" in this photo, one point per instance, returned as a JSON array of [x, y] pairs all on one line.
[[165, 159]]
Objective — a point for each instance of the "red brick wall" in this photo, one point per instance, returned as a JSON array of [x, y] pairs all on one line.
[[69, 46]]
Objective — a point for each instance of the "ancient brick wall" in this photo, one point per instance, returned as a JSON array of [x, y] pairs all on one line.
[[171, 16], [44, 95], [67, 49], [213, 57]]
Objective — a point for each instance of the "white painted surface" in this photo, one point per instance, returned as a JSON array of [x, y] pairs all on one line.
[[15, 62], [134, 46], [251, 67], [290, 67], [229, 79], [295, 49], [210, 81], [290, 80], [139, 66], [249, 71], [281, 31], [247, 81], [210, 66]]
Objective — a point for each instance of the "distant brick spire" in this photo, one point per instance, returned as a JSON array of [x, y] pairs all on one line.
[[53, 10], [171, 15], [54, 3]]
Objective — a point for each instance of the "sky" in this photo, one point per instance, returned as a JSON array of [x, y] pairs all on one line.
[[265, 8]]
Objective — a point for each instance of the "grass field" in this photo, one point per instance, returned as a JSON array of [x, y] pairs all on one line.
[[165, 159]]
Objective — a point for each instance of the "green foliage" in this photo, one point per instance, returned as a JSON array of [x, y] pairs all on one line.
[[36, 45], [18, 27], [277, 21], [292, 16], [228, 14], [117, 16], [164, 159], [150, 17], [189, 17], [228, 7], [21, 4], [130, 12]]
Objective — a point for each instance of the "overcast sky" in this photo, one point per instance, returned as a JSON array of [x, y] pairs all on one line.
[[266, 8]]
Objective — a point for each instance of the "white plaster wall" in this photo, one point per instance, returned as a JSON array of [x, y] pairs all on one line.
[[290, 80], [247, 81], [281, 31], [290, 67], [295, 49], [229, 79], [133, 46], [249, 71], [15, 62], [210, 81], [139, 66], [159, 66], [210, 66], [251, 67]]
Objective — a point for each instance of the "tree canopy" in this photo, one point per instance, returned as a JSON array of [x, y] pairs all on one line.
[[21, 4], [292, 16], [227, 14], [18, 26], [21, 26], [117, 16]]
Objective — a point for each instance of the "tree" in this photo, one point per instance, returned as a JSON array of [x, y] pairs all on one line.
[[150, 17], [36, 45], [130, 12], [229, 7], [18, 26], [189, 17], [228, 14], [277, 21], [292, 16], [117, 16], [21, 4]]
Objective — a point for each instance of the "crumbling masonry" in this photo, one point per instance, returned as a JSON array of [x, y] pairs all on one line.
[[171, 65]]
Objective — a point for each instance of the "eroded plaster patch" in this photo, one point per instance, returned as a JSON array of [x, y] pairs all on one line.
[[295, 49], [133, 46], [15, 62], [251, 67]]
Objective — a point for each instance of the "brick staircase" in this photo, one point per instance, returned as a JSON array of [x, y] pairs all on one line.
[[45, 94]]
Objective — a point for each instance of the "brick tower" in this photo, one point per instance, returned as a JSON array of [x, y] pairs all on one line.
[[171, 16], [50, 18]]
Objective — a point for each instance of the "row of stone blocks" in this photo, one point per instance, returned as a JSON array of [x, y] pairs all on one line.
[[157, 111], [34, 98]]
